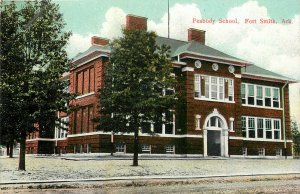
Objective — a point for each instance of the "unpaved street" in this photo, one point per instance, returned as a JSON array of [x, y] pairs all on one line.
[[262, 184]]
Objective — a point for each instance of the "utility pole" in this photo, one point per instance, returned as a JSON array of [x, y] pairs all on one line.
[[168, 18]]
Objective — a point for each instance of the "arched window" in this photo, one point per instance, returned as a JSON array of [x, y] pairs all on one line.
[[214, 122]]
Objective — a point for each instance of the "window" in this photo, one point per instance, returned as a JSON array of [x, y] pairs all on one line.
[[85, 81], [261, 151], [268, 128], [61, 131], [260, 128], [230, 89], [170, 119], [257, 127], [207, 91], [158, 128], [258, 95], [268, 97], [146, 127], [214, 88], [243, 93], [121, 148], [276, 97], [244, 126], [244, 150], [214, 122], [165, 128], [276, 129], [83, 120], [146, 148], [197, 85], [170, 149], [221, 88], [251, 127], [278, 152], [251, 94]]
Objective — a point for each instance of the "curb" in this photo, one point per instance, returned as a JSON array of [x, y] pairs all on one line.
[[142, 178]]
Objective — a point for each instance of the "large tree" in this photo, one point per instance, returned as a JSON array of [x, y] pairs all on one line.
[[296, 137], [33, 59], [136, 77]]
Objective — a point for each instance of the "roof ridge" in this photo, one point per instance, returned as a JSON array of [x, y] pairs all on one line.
[[173, 39]]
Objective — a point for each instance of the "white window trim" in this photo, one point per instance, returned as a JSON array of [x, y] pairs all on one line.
[[225, 79], [263, 97], [58, 131], [85, 95], [264, 128], [163, 130]]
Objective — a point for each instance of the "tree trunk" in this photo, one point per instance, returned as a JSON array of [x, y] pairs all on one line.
[[7, 149], [22, 153], [136, 148], [11, 149]]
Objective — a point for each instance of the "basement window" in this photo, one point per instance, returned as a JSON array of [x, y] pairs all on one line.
[[121, 148], [170, 149], [261, 151]]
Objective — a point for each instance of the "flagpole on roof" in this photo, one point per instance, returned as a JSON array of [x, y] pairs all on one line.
[[168, 18]]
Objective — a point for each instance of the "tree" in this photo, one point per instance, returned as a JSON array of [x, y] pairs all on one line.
[[296, 137], [136, 77], [33, 59]]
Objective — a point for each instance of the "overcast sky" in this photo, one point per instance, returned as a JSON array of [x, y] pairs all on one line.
[[275, 47]]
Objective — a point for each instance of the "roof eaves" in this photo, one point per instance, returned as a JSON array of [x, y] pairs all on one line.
[[215, 57], [78, 58], [252, 75]]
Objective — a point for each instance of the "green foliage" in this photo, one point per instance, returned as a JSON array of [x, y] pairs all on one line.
[[33, 59], [296, 137], [135, 77]]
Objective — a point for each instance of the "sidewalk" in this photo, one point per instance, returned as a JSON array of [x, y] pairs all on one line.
[[47, 169]]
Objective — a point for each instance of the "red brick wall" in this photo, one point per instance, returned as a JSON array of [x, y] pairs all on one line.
[[86, 106], [203, 107], [99, 40], [136, 23], [196, 35]]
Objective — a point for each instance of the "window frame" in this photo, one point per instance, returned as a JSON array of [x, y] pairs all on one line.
[[264, 98], [268, 127], [120, 148], [214, 91]]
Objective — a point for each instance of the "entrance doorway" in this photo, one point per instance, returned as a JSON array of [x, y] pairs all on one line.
[[213, 143], [215, 135]]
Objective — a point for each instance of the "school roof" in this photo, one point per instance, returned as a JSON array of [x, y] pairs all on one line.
[[178, 47]]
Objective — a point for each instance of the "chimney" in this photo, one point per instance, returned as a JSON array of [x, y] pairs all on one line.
[[95, 40], [136, 22], [196, 35]]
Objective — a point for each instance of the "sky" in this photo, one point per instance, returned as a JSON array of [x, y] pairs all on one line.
[[275, 47]]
